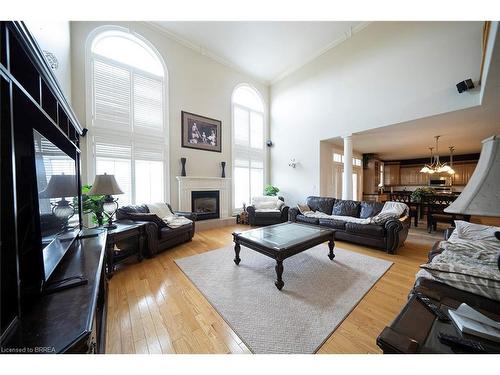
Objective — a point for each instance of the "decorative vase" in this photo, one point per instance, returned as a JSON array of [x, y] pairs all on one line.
[[223, 164], [183, 171]]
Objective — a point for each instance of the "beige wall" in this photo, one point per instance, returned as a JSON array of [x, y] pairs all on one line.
[[389, 72], [197, 84]]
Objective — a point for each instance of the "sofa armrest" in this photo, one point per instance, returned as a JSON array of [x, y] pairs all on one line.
[[396, 233], [284, 212], [406, 220], [152, 238], [292, 214], [186, 214], [251, 215]]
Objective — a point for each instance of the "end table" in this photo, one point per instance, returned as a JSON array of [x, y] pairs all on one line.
[[126, 230]]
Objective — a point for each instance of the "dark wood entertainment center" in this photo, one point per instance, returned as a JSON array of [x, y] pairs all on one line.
[[71, 320]]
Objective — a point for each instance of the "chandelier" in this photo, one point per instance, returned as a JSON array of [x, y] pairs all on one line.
[[435, 166]]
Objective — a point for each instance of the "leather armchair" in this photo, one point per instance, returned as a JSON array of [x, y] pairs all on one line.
[[267, 218]]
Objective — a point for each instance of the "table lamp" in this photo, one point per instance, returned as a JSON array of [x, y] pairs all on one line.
[[481, 195], [61, 186], [105, 184]]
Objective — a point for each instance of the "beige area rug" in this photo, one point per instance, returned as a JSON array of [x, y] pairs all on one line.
[[318, 294]]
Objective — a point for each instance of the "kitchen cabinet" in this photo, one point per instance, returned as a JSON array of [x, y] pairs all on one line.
[[391, 174], [371, 176], [411, 176], [463, 173]]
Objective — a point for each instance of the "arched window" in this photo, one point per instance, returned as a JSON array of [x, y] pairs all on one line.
[[128, 112], [248, 145]]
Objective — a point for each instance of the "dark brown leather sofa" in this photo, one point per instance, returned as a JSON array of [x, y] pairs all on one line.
[[159, 236], [388, 236]]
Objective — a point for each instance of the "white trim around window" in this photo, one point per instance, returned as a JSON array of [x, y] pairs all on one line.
[[154, 143], [252, 157]]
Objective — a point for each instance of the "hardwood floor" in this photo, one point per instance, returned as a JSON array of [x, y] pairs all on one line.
[[154, 308]]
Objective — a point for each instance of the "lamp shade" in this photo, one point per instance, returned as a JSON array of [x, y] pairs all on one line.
[[60, 186], [481, 196], [105, 184]]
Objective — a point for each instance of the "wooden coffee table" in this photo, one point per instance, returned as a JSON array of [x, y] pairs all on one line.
[[282, 241]]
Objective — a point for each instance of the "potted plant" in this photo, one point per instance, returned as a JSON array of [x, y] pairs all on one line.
[[271, 190], [419, 193], [91, 204]]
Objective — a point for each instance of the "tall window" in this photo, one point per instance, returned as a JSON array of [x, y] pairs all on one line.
[[248, 145], [128, 115]]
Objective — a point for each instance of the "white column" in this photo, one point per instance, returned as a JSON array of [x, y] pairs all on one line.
[[347, 180]]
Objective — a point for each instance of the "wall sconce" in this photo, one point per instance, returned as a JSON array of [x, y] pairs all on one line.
[[293, 163]]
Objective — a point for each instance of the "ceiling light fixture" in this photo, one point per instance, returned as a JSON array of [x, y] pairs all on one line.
[[435, 166]]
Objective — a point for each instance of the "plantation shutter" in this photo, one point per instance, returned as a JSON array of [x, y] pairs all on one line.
[[148, 102], [111, 95], [116, 159]]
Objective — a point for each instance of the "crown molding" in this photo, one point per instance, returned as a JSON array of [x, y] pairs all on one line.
[[204, 52], [318, 53]]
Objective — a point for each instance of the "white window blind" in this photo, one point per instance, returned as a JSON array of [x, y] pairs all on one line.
[[248, 146], [128, 115], [111, 95], [148, 102], [149, 176], [116, 159]]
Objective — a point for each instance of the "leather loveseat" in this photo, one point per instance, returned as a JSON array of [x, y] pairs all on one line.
[[159, 236], [388, 236]]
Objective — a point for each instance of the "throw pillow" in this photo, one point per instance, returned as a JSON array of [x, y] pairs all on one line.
[[303, 208], [369, 209], [466, 231], [346, 208]]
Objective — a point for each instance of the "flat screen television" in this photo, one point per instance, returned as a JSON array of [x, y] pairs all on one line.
[[57, 187]]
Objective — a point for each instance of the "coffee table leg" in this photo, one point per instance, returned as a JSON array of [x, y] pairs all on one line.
[[237, 249], [279, 272], [331, 245]]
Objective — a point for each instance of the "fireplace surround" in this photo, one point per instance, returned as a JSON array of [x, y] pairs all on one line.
[[205, 204], [188, 184]]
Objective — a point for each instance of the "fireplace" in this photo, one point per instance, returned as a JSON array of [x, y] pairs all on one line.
[[205, 204]]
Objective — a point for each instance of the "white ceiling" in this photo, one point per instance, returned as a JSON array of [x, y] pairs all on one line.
[[464, 129], [265, 50]]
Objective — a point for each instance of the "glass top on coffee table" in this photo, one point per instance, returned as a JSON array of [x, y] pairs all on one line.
[[284, 235]]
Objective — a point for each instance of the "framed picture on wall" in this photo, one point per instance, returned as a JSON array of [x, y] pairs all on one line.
[[200, 132]]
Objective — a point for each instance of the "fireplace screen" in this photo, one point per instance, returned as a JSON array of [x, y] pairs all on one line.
[[205, 204]]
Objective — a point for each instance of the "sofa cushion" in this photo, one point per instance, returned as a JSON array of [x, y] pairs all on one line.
[[372, 230], [332, 223], [346, 208], [308, 220], [370, 209], [322, 204], [268, 213]]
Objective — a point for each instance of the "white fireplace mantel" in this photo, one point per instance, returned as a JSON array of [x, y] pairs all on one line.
[[188, 184]]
